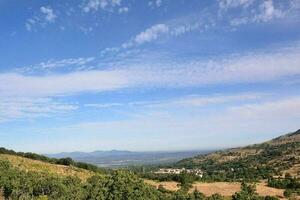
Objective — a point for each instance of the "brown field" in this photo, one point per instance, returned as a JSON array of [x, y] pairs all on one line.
[[264, 190], [294, 171], [228, 189], [169, 185], [223, 188], [39, 166]]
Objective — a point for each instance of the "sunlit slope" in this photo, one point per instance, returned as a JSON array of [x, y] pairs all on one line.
[[27, 164], [281, 154]]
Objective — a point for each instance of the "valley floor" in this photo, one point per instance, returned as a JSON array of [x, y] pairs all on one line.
[[223, 188]]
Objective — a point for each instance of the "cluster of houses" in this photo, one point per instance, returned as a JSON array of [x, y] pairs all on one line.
[[197, 172]]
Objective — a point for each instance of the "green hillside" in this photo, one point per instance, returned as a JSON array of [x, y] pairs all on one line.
[[260, 161]]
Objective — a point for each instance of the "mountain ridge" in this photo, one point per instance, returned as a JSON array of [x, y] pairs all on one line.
[[274, 157]]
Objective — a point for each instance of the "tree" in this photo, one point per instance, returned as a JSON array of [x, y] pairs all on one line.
[[248, 192], [65, 161]]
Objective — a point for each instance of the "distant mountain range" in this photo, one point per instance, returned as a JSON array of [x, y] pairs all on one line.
[[117, 158]]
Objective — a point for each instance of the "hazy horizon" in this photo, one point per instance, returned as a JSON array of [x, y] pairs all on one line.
[[155, 75]]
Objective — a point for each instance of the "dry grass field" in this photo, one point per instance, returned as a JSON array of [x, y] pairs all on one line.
[[168, 185], [294, 171], [39, 166], [223, 188], [264, 190]]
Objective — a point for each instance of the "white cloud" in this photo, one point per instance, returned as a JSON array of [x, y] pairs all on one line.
[[268, 12], [94, 5], [184, 102], [275, 110], [155, 3], [73, 63], [227, 4], [199, 101], [63, 84], [30, 108], [253, 11], [123, 10], [44, 17], [49, 14], [184, 28], [151, 33], [253, 68], [104, 105], [200, 129], [86, 30], [147, 35]]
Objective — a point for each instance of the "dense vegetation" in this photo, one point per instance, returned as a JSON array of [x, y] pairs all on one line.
[[18, 184], [250, 163], [289, 183], [250, 168], [120, 185]]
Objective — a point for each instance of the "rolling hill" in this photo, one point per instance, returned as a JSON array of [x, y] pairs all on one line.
[[275, 157], [26, 164]]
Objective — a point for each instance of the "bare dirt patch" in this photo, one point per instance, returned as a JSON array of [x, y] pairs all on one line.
[[223, 188]]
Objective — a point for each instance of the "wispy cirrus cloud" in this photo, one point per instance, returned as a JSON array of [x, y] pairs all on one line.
[[255, 119], [49, 14], [253, 11], [250, 68], [62, 84], [227, 4], [184, 101], [95, 5], [44, 17], [22, 108], [229, 14], [148, 35], [73, 64]]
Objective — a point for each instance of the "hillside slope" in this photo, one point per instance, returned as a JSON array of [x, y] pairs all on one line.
[[27, 164], [274, 157]]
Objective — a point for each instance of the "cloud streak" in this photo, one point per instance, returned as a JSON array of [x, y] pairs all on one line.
[[184, 102], [51, 65], [252, 68], [55, 85], [31, 108], [201, 128]]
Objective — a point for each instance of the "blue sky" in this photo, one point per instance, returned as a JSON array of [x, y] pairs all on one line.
[[147, 75]]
